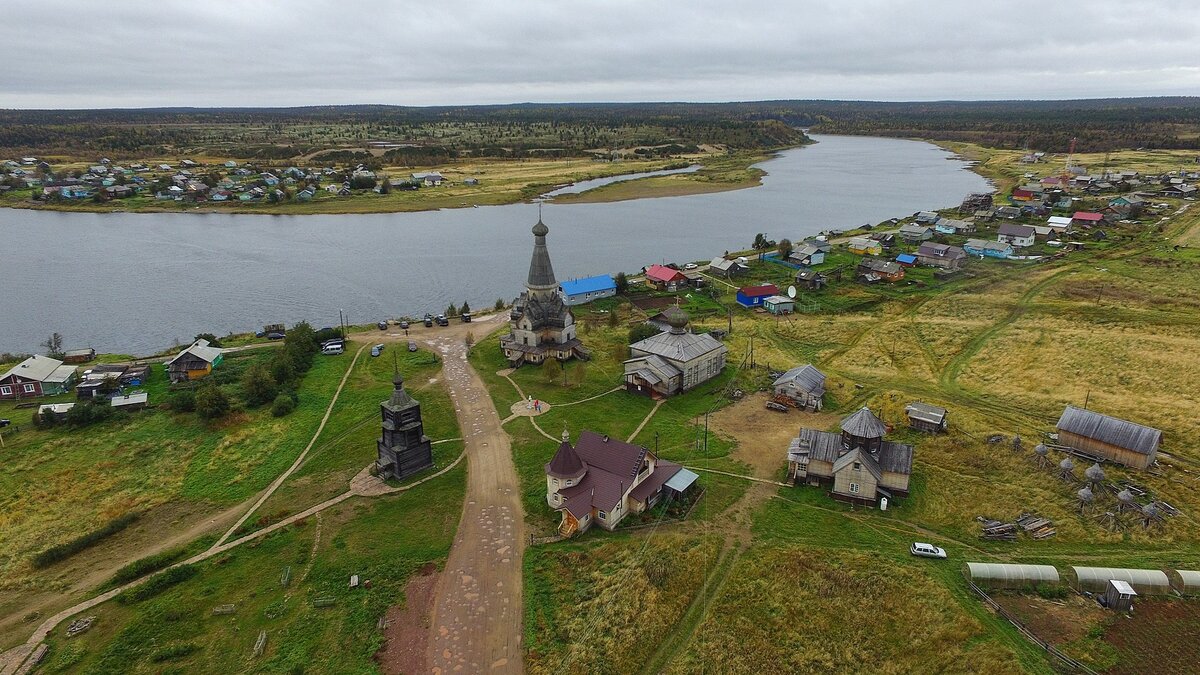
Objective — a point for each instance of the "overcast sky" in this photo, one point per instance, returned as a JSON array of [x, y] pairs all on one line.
[[127, 53]]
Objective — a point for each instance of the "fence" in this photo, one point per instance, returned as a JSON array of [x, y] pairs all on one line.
[[1029, 635]]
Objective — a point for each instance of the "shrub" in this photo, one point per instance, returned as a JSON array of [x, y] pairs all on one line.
[[141, 567], [283, 405], [87, 540], [211, 402], [641, 332], [258, 385], [212, 339], [183, 400], [157, 584], [283, 370], [176, 651], [96, 410], [1052, 592]]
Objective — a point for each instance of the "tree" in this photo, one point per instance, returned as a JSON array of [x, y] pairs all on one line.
[[552, 369], [211, 402], [300, 345], [465, 308], [283, 405], [641, 332], [451, 310], [612, 319], [283, 370], [785, 248], [212, 339], [622, 283], [258, 386], [53, 345], [499, 304]]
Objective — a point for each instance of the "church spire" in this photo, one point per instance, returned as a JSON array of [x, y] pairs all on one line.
[[541, 273]]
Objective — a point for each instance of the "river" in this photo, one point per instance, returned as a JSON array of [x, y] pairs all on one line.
[[137, 283]]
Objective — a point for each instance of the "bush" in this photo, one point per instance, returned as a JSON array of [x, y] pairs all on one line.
[[157, 584], [1052, 592], [283, 370], [212, 339], [70, 548], [211, 402], [641, 332], [258, 385], [172, 652], [283, 405], [148, 565], [95, 410], [183, 400]]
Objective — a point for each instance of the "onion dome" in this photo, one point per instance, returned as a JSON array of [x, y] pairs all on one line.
[[676, 318], [540, 229]]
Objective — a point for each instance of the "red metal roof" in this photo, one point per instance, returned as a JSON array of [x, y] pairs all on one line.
[[662, 273], [759, 291], [1087, 215]]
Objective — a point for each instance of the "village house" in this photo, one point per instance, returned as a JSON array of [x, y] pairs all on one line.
[[580, 291], [194, 362], [673, 361], [990, 249], [753, 296], [871, 270], [864, 246], [1087, 219], [37, 376], [663, 278], [1053, 225], [79, 355], [601, 480], [954, 226], [1114, 439], [429, 179], [1020, 236], [915, 234], [941, 255], [862, 466], [926, 417], [802, 386], [906, 260], [402, 448], [779, 304], [927, 217], [726, 268], [811, 280], [807, 255], [542, 325]]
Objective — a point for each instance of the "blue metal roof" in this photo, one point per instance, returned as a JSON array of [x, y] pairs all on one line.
[[906, 258], [602, 282]]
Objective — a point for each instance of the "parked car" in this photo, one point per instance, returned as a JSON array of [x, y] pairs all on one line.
[[404, 325], [383, 325], [926, 550], [442, 320], [333, 349], [412, 346], [429, 321], [275, 336], [777, 407], [690, 266], [466, 317]]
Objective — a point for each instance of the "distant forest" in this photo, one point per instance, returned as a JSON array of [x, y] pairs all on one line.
[[571, 129]]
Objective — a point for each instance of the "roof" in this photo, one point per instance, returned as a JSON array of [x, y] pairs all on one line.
[[201, 350], [663, 273], [913, 228], [541, 272], [56, 408], [1016, 230], [1088, 215], [651, 484], [36, 367], [984, 244], [864, 423], [1031, 574], [1123, 434], [862, 242], [825, 447], [135, 398], [678, 347], [806, 378], [925, 412], [61, 374], [881, 266], [565, 463], [1058, 220], [682, 479], [720, 263], [864, 458], [779, 300], [601, 282], [759, 291], [932, 250], [906, 258], [80, 352], [1144, 581], [612, 466], [1122, 587]]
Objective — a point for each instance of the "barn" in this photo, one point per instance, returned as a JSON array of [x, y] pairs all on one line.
[[804, 386], [1114, 439]]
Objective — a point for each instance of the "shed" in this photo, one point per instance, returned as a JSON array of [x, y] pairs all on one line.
[[79, 355], [906, 260], [1004, 575], [926, 417], [681, 482], [1120, 441], [1095, 579], [1119, 595], [1185, 582], [132, 401], [779, 304], [804, 385]]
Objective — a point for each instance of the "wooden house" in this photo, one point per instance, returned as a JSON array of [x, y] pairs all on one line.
[[941, 255], [864, 246], [927, 217], [915, 234], [876, 269], [725, 268], [37, 376], [860, 464], [79, 355], [665, 278], [990, 249], [1114, 439], [807, 255], [753, 296], [1087, 219], [1020, 236], [673, 361], [803, 386], [811, 280], [194, 362], [779, 304], [954, 226], [906, 260], [926, 417]]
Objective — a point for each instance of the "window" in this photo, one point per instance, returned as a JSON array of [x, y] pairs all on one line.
[[6, 391], [603, 516], [858, 466], [854, 488], [29, 388], [554, 482]]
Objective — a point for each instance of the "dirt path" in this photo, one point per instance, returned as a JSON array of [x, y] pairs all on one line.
[[477, 612]]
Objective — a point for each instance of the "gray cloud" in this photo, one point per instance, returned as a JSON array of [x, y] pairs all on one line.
[[301, 52]]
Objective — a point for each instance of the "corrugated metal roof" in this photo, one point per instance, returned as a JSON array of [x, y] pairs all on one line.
[[662, 273], [1111, 430], [806, 378], [601, 282], [682, 480], [678, 347], [35, 367], [759, 291]]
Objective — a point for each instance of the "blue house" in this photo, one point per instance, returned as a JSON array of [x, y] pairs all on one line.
[[75, 192], [753, 296], [991, 249], [579, 291]]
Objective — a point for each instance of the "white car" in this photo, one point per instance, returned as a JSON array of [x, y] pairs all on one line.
[[927, 550], [690, 266]]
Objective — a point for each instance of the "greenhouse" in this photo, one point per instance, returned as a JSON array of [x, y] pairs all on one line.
[[1000, 575], [1185, 582], [1145, 582]]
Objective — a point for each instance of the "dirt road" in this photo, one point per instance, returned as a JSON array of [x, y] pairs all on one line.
[[477, 615]]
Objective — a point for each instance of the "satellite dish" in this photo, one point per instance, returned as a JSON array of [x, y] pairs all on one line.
[[792, 292]]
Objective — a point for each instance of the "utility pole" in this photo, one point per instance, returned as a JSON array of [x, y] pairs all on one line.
[[706, 434], [1087, 398]]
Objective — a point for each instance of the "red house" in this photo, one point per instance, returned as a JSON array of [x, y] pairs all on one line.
[[1087, 218], [37, 376], [665, 278], [1019, 195]]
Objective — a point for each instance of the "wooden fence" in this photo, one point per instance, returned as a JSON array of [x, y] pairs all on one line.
[[1029, 635]]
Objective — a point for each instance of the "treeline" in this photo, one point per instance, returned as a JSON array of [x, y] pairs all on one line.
[[84, 541]]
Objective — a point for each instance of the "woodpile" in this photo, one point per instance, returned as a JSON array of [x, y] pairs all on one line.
[[80, 625], [1036, 526], [995, 530], [221, 610]]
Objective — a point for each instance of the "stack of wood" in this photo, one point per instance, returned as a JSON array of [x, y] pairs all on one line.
[[80, 625], [996, 530], [1036, 526], [1165, 508]]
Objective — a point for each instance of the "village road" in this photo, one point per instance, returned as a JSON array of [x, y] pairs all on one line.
[[477, 611]]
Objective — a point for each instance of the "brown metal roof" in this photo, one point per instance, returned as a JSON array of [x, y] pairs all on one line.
[[566, 463]]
